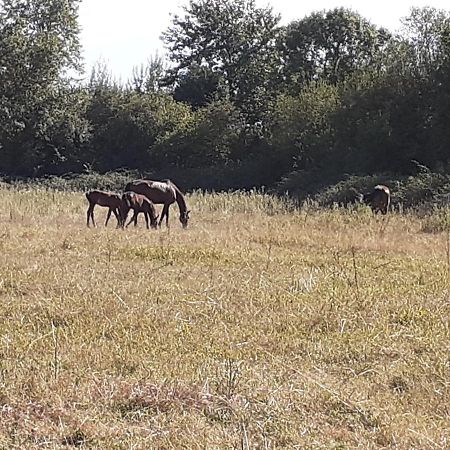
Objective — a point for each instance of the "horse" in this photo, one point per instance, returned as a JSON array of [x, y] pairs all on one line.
[[139, 204], [162, 192], [378, 199], [107, 199]]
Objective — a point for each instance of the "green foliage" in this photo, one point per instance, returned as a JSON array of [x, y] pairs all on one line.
[[110, 181], [147, 78], [425, 29], [208, 135], [330, 46], [42, 121], [197, 86], [426, 188], [127, 124], [240, 102], [300, 126], [235, 40]]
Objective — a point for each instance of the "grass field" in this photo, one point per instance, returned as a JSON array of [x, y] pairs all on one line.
[[259, 326]]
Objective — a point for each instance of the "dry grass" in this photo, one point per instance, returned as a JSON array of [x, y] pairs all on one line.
[[257, 327]]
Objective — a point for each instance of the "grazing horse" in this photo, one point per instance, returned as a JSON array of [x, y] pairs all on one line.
[[378, 199], [139, 204], [161, 193], [108, 200]]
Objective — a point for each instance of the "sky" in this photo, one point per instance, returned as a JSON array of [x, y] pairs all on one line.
[[126, 34]]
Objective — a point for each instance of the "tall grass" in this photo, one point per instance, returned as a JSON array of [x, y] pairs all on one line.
[[263, 325], [245, 202]]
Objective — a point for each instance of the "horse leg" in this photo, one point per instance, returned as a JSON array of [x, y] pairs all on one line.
[[133, 218], [146, 219], [167, 217], [90, 214], [108, 216], [119, 220], [124, 216], [164, 213]]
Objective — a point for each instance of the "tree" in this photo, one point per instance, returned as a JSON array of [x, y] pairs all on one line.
[[301, 130], [330, 46], [198, 86], [126, 124], [149, 78], [206, 139], [39, 47], [233, 39], [425, 30]]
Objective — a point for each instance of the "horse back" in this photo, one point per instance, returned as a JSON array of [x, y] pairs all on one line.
[[382, 188], [101, 198], [158, 192], [139, 202]]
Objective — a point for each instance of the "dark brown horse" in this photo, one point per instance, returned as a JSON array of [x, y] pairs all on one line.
[[139, 204], [378, 199], [108, 200], [162, 193]]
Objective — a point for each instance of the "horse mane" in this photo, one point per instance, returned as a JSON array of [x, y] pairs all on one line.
[[179, 197]]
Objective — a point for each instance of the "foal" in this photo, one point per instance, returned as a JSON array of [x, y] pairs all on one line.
[[139, 204], [108, 200]]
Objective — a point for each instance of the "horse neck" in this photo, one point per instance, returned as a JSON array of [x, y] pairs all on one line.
[[180, 200]]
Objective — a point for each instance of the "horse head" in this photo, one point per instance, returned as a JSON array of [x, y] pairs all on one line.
[[154, 221], [184, 218]]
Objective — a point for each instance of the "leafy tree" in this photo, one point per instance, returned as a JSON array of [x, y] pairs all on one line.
[[149, 78], [301, 129], [206, 139], [39, 46], [197, 86], [233, 39], [126, 124], [425, 30], [330, 46]]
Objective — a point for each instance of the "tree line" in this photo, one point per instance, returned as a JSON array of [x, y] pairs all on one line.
[[239, 101]]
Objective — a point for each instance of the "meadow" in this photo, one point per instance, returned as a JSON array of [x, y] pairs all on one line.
[[261, 325]]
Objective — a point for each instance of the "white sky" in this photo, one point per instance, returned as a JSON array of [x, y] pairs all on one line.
[[125, 34]]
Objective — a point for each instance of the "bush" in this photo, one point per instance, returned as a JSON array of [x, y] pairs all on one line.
[[111, 181], [427, 189]]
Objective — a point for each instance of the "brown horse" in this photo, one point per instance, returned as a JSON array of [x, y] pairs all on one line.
[[139, 204], [162, 193], [378, 199], [108, 200]]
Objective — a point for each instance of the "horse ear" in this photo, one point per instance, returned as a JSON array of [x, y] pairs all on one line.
[[188, 211]]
